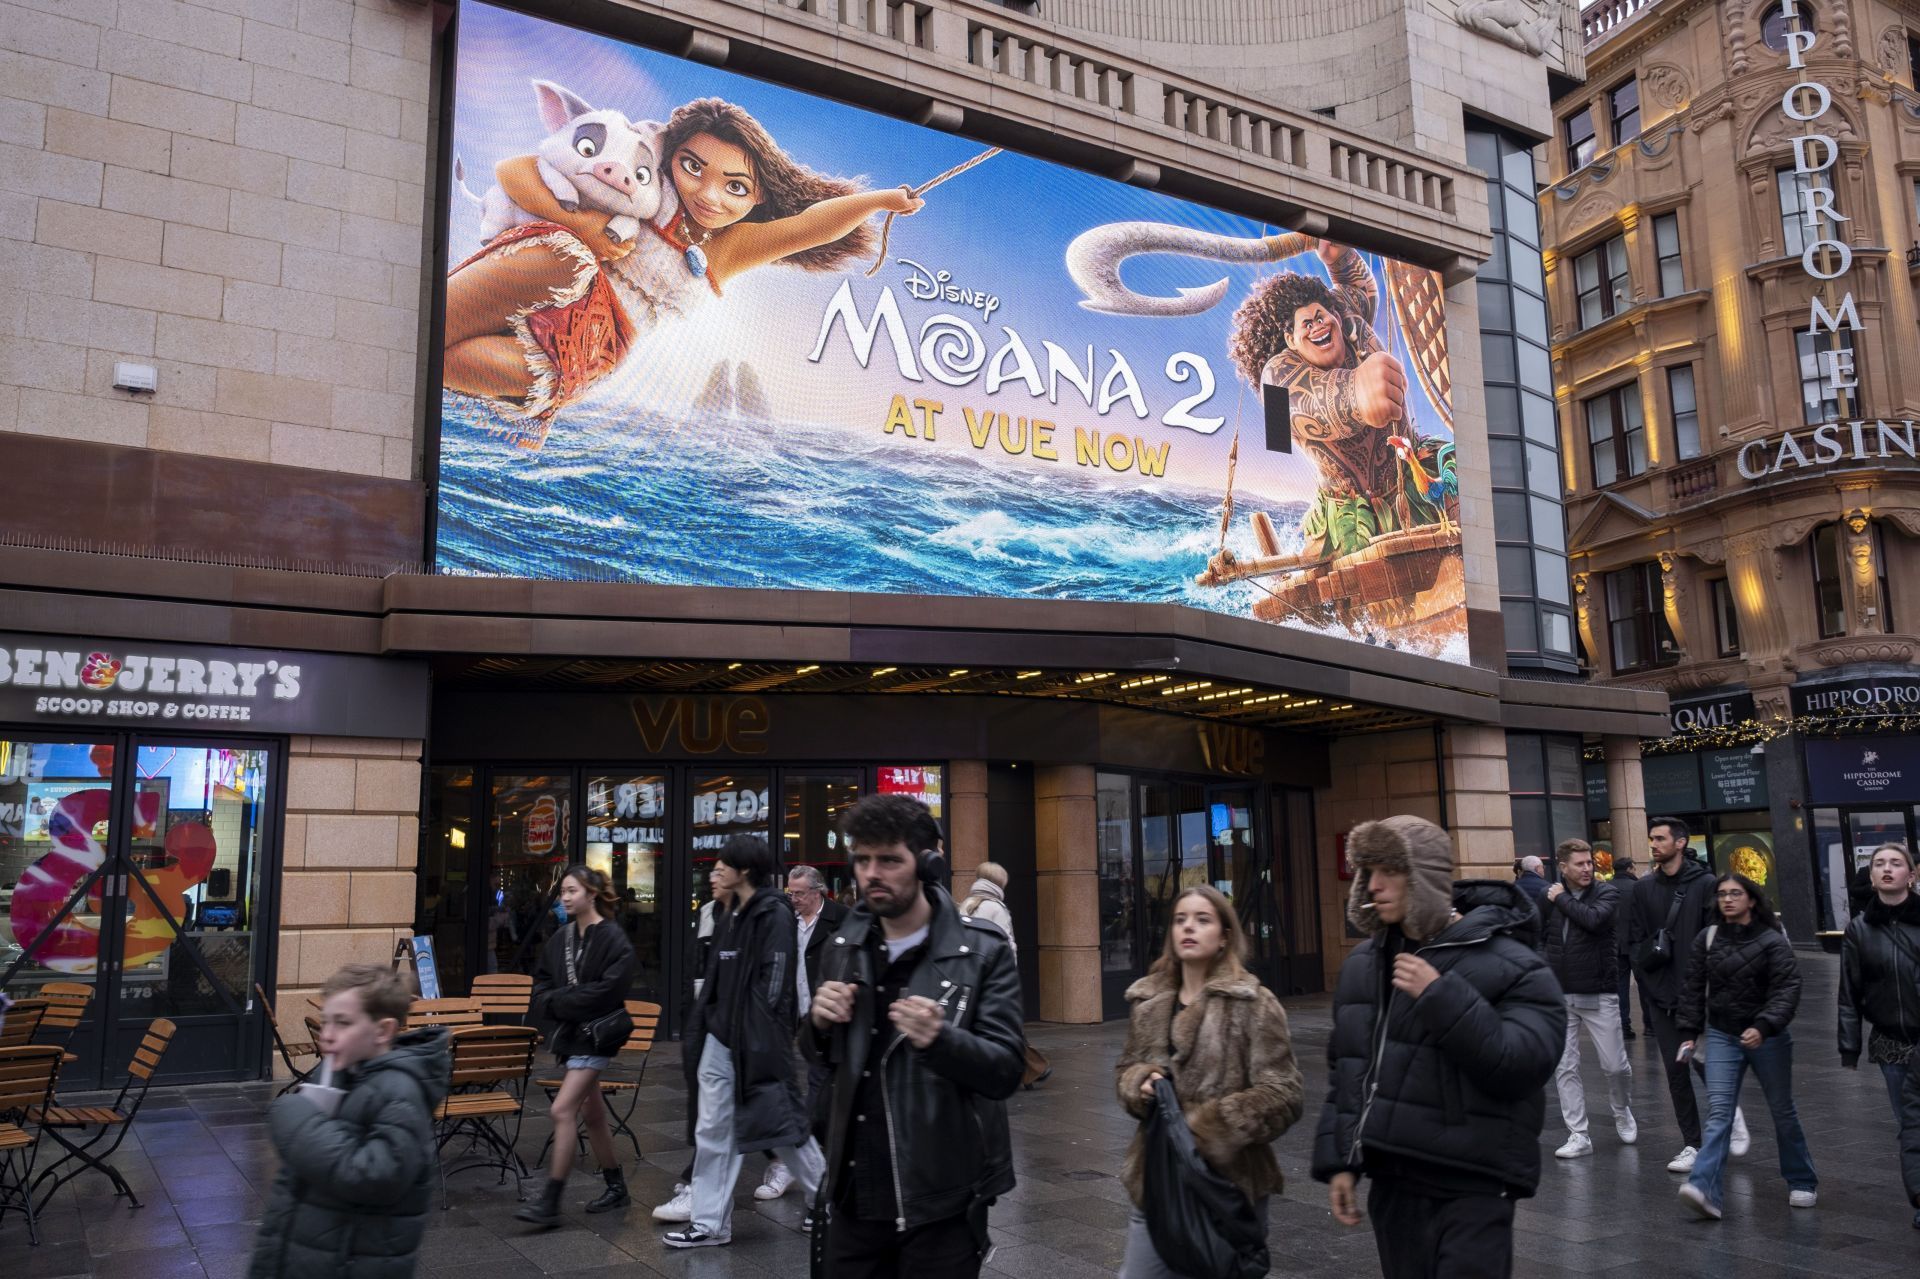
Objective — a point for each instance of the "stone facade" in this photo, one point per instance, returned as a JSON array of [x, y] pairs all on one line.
[[231, 193], [352, 843], [1712, 140]]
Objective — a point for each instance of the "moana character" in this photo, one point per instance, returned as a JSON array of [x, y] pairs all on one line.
[[550, 307], [1348, 399]]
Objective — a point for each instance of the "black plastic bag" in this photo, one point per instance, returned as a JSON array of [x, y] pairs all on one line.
[[1202, 1225]]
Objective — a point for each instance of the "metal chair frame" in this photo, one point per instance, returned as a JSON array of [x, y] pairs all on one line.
[[491, 1065], [289, 1051], [646, 1024], [114, 1121], [28, 1074]]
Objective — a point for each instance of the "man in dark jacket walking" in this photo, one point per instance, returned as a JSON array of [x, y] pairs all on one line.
[[918, 1013], [1447, 1025], [1580, 947], [749, 1089], [1674, 900]]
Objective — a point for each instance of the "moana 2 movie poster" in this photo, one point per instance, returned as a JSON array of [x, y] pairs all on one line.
[[704, 330]]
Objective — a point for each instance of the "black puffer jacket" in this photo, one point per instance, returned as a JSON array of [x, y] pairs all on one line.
[[1748, 978], [1455, 1078], [1578, 939], [760, 1009], [948, 1100], [1646, 914], [603, 962], [1880, 975], [354, 1189]]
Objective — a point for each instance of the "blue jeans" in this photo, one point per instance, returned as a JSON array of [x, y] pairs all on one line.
[[1896, 1077], [1772, 1064]]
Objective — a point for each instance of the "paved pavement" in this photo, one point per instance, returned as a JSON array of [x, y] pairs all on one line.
[[201, 1160]]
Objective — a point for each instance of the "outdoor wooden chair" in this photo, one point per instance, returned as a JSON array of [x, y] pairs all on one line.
[[452, 1013], [67, 1003], [23, 1022], [503, 996], [634, 1055], [111, 1123], [309, 1048], [491, 1065], [27, 1076]]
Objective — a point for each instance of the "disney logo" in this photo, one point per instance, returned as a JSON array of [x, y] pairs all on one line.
[[938, 286]]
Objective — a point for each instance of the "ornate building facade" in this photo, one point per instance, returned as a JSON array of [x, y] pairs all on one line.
[[1731, 222]]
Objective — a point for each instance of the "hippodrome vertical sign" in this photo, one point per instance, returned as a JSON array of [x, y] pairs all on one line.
[[1806, 101]]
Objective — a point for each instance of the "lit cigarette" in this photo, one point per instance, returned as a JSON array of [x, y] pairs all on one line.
[[1368, 906]]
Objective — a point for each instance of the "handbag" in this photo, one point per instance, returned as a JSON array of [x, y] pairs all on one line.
[[607, 1033], [1202, 1225], [1656, 952]]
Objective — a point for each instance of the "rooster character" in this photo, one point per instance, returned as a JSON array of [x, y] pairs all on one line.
[[1441, 486]]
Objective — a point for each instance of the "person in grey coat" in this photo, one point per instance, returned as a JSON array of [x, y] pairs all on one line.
[[356, 1179]]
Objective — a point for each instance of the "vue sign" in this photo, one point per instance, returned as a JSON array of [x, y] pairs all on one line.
[[702, 725]]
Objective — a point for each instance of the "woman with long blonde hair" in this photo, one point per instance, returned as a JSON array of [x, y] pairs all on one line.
[[1202, 1021]]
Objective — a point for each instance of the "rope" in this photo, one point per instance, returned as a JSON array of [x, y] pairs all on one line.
[[886, 228]]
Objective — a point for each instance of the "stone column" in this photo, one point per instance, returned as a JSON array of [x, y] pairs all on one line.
[[1068, 893], [1626, 799], [347, 880], [1479, 802], [966, 818]]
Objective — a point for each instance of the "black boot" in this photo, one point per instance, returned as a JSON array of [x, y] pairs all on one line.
[[543, 1212], [615, 1195]]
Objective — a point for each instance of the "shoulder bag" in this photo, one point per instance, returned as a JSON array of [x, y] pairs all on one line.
[[608, 1033], [1195, 1216], [1656, 952]]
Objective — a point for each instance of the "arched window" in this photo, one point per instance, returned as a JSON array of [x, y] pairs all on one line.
[[1774, 27]]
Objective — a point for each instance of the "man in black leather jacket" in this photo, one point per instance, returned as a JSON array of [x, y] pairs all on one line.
[[918, 1014], [1577, 938], [1447, 1025]]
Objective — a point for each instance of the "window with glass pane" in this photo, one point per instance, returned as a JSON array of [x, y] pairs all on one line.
[[1880, 566], [1577, 130], [1550, 575], [1113, 839], [56, 807], [198, 842], [1637, 621], [1726, 618], [1686, 412], [1160, 877], [1821, 400], [1602, 282], [1913, 62], [1556, 632], [1623, 105], [448, 843], [811, 806], [1796, 232], [1616, 435], [626, 840], [530, 841], [1829, 590], [1777, 22], [1666, 247]]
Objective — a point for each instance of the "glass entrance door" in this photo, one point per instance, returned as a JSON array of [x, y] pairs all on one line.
[[142, 874]]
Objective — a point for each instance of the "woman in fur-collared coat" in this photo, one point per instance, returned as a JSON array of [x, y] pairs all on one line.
[[1203, 1021]]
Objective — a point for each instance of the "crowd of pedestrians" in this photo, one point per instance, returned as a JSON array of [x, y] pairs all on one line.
[[868, 1050]]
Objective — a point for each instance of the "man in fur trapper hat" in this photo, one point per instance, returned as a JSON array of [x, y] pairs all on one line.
[[1447, 1026]]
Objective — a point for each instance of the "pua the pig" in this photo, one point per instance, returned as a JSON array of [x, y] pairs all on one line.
[[595, 158]]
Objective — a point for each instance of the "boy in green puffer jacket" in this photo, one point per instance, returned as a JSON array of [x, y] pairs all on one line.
[[356, 1180]]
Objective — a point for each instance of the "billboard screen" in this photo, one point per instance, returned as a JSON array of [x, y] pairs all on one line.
[[704, 330]]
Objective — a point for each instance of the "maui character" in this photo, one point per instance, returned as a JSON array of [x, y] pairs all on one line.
[[1348, 399], [736, 202]]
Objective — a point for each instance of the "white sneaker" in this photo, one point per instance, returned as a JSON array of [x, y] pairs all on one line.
[[1683, 1162], [779, 1178], [1694, 1198], [678, 1208], [1742, 1139], [1627, 1127], [1577, 1145], [1803, 1198]]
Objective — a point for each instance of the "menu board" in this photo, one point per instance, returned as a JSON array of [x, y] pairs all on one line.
[[1673, 784], [1599, 806]]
